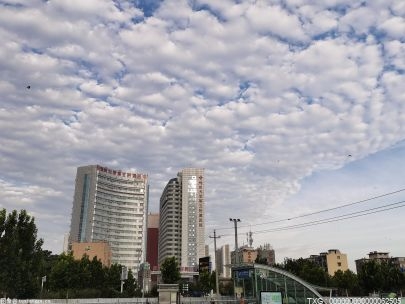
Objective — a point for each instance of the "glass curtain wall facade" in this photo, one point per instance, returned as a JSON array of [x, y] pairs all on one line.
[[111, 205]]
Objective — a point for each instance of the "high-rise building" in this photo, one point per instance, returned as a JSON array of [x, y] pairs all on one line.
[[182, 218], [152, 244], [223, 261], [170, 222], [111, 205]]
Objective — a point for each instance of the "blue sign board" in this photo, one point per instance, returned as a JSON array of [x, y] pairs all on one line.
[[243, 274]]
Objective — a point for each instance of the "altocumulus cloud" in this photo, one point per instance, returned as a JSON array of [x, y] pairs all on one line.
[[263, 94]]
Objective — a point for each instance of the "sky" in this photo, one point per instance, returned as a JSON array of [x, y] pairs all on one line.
[[291, 106]]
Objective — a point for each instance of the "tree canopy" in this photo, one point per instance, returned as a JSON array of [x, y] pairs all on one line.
[[170, 271], [21, 256]]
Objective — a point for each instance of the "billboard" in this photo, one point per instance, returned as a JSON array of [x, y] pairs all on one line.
[[204, 264], [271, 297]]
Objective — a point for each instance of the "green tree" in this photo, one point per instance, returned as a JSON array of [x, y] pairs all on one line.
[[347, 282], [97, 273], [204, 281], [65, 274], [226, 288], [370, 277], [170, 271], [130, 286], [112, 283], [393, 278], [21, 255], [308, 271]]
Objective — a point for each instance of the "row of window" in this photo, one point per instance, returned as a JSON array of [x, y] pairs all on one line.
[[119, 214], [108, 235], [111, 219], [119, 185], [109, 207], [117, 196], [104, 224], [120, 180], [135, 202]]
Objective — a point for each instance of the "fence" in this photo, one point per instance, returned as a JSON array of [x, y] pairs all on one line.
[[183, 300]]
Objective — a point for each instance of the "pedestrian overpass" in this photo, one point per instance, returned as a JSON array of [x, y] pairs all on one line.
[[251, 279]]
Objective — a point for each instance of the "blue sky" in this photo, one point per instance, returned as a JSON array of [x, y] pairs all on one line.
[[270, 97]]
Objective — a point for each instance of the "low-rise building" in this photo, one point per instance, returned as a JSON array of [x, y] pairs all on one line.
[[101, 250], [331, 261], [245, 254], [379, 257]]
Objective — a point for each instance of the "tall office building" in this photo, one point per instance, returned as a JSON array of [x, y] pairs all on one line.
[[182, 219], [111, 205]]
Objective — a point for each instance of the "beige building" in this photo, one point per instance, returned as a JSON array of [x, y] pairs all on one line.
[[331, 261], [101, 250], [245, 255], [335, 260]]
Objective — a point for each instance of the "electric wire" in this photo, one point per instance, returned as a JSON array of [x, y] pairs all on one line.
[[317, 212], [342, 217]]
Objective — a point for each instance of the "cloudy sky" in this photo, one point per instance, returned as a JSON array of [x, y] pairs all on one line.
[[291, 106]]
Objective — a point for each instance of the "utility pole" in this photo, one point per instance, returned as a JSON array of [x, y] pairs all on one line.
[[235, 223], [215, 237]]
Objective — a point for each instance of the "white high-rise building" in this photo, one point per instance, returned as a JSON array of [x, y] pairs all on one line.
[[182, 209], [111, 205]]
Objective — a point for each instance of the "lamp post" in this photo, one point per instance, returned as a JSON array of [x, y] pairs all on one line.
[[235, 223], [215, 237]]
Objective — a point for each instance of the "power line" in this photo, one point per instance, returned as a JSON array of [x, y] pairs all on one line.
[[338, 218], [319, 211], [335, 218]]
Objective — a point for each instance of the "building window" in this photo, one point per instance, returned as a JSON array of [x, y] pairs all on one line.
[[339, 264], [338, 257]]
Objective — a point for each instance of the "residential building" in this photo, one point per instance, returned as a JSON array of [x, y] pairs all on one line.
[[100, 250], [182, 219], [379, 257], [111, 205], [331, 261], [400, 263], [223, 258], [169, 239]]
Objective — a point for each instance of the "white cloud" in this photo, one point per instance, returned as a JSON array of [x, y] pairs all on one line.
[[237, 88], [273, 19]]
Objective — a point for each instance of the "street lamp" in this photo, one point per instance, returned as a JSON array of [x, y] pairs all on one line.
[[235, 223]]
